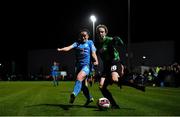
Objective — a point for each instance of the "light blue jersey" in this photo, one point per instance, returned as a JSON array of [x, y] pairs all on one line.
[[83, 55], [54, 70]]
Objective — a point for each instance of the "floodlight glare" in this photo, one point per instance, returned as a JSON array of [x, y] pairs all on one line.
[[93, 18]]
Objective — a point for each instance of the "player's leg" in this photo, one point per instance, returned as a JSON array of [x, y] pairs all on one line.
[[77, 86], [90, 81], [87, 94], [117, 70], [54, 80], [57, 82], [85, 87], [86, 81], [78, 83], [106, 93]]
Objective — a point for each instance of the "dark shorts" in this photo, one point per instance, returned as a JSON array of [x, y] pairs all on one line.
[[113, 67]]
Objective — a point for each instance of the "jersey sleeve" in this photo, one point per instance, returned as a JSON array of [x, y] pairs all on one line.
[[92, 47], [75, 45], [118, 41]]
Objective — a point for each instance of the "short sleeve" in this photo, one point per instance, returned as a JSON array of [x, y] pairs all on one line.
[[92, 47], [75, 44]]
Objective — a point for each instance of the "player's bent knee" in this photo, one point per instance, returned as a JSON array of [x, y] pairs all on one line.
[[115, 79], [80, 77]]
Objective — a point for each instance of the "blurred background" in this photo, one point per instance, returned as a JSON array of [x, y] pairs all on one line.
[[31, 32]]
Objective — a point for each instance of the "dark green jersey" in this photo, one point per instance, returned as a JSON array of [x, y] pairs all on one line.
[[108, 49]]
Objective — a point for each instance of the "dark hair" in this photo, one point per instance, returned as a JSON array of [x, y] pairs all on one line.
[[84, 30], [101, 26]]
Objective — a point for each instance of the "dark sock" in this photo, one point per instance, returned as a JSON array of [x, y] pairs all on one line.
[[85, 91], [108, 95]]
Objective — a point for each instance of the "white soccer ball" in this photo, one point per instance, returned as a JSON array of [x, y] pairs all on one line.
[[103, 103]]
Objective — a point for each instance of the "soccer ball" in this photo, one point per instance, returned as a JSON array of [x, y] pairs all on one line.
[[103, 103]]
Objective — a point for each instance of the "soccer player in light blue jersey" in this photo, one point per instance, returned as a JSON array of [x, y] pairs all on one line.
[[85, 49], [54, 73]]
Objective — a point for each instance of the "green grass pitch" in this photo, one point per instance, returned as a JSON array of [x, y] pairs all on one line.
[[40, 98]]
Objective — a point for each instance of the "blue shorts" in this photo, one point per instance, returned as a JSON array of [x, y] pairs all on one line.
[[54, 74], [84, 68]]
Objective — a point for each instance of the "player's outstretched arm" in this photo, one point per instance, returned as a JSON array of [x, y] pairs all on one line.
[[65, 48]]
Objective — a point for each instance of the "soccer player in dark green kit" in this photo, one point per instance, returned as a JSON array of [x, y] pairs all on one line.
[[113, 70]]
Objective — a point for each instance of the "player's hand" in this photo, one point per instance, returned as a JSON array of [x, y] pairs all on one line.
[[95, 63], [58, 49]]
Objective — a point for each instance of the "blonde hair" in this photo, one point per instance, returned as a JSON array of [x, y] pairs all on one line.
[[101, 26]]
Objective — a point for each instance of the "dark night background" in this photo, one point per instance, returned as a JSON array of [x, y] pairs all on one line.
[[27, 26]]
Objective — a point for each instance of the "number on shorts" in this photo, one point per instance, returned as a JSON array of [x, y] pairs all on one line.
[[113, 68]]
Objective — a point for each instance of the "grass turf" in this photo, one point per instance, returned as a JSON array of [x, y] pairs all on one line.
[[36, 98]]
